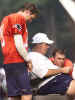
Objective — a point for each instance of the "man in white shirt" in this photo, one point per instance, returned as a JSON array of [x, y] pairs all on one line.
[[59, 82]]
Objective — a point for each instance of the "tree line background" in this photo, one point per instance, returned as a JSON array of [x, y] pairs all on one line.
[[53, 20]]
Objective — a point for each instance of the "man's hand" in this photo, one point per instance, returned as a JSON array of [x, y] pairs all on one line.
[[66, 70], [29, 65]]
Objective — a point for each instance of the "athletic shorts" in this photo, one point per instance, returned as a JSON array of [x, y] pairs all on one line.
[[17, 78], [57, 85]]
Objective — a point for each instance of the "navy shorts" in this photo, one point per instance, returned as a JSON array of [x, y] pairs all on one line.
[[17, 78], [58, 85]]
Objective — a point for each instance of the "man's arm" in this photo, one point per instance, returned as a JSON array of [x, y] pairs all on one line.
[[21, 49], [51, 72]]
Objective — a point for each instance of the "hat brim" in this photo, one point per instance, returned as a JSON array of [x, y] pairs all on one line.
[[45, 41], [49, 41]]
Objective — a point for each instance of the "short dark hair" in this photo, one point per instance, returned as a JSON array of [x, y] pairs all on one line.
[[57, 50], [29, 6]]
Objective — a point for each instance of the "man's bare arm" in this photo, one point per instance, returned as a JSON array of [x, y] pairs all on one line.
[[51, 72]]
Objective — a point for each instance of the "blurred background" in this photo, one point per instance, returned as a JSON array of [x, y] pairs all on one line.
[[53, 20]]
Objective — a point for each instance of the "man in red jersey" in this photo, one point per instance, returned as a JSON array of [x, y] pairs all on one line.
[[59, 59], [14, 43]]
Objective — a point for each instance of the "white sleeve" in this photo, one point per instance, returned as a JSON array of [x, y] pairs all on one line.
[[20, 47], [39, 68]]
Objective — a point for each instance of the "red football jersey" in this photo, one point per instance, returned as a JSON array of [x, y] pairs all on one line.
[[11, 25], [67, 63]]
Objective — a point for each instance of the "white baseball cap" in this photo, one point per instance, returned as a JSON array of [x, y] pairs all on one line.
[[41, 38]]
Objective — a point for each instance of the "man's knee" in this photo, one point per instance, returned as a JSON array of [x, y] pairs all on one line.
[[71, 88], [26, 97]]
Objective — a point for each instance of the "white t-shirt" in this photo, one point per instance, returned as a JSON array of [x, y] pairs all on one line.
[[41, 64]]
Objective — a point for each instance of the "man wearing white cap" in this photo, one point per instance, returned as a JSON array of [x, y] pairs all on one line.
[[57, 80]]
